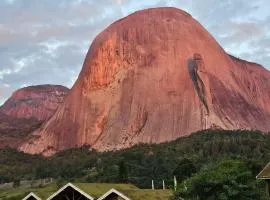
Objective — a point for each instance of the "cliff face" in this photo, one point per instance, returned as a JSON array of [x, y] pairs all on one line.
[[26, 109], [151, 77], [14, 130]]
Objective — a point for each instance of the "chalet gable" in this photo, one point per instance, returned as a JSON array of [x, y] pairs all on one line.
[[31, 196], [113, 194], [265, 173], [70, 191]]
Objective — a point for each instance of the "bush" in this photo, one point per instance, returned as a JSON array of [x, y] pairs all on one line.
[[229, 180]]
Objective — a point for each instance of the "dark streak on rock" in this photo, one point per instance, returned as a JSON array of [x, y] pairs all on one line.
[[193, 65]]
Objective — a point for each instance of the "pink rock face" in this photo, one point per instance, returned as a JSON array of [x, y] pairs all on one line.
[[38, 102], [152, 77], [26, 109]]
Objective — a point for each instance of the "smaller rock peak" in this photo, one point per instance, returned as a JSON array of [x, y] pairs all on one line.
[[45, 87], [40, 89], [38, 101]]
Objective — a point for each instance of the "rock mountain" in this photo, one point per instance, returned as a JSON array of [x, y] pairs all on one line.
[[152, 77], [26, 109]]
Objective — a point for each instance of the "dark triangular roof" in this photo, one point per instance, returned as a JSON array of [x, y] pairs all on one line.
[[74, 188], [113, 191], [265, 173]]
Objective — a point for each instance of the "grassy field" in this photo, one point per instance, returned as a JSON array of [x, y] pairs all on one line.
[[93, 189]]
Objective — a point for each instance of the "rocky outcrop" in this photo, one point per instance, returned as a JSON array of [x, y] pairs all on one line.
[[25, 111], [38, 102], [152, 77]]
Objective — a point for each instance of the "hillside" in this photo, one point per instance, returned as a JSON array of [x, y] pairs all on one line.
[[142, 163]]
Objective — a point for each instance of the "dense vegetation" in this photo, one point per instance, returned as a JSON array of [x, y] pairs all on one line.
[[223, 162], [230, 179]]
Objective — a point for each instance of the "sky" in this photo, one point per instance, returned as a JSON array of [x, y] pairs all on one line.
[[45, 41]]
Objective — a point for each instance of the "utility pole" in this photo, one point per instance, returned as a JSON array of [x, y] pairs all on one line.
[[175, 183], [163, 184]]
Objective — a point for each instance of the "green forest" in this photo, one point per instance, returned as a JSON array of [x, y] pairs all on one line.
[[210, 164]]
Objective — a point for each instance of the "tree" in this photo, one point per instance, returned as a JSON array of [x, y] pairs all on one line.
[[184, 169], [123, 172], [229, 180]]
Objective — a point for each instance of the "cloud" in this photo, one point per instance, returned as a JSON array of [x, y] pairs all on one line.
[[46, 41], [4, 91], [243, 31]]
